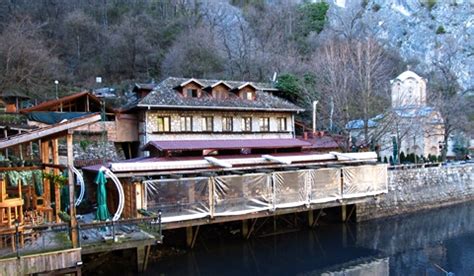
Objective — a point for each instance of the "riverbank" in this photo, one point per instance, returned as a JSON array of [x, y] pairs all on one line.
[[416, 189], [419, 243]]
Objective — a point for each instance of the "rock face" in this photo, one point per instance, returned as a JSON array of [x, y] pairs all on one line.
[[412, 190], [442, 31]]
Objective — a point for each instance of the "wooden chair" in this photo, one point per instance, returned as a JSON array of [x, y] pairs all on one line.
[[11, 210]]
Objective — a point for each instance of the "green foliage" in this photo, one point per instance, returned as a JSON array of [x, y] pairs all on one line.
[[12, 118], [430, 4], [440, 158], [403, 158], [385, 159], [440, 30], [312, 17], [290, 85], [376, 7], [84, 144], [258, 4], [460, 147], [60, 179], [391, 160]]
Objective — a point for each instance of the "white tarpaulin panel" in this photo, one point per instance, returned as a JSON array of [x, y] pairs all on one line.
[[325, 185], [290, 189], [241, 194], [364, 180], [178, 199]]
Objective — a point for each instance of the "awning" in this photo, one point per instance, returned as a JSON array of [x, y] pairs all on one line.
[[226, 144]]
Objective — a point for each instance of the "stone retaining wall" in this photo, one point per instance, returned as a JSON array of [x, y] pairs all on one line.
[[412, 190]]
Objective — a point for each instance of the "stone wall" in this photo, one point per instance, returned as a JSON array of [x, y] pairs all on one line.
[[412, 190]]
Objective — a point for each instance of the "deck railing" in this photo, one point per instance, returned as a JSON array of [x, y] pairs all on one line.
[[28, 240]]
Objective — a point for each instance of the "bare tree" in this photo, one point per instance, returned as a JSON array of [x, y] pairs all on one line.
[[27, 63]]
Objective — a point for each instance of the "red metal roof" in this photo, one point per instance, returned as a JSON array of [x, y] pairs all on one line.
[[226, 144], [45, 106]]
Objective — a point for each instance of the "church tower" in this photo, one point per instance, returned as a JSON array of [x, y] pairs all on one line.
[[408, 91]]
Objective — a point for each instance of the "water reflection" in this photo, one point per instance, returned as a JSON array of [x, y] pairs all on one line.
[[428, 243]]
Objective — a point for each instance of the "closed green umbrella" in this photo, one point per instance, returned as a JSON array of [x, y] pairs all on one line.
[[102, 211]]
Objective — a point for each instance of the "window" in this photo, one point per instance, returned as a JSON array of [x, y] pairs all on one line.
[[246, 124], [163, 123], [248, 95], [207, 123], [264, 124], [282, 124], [227, 124], [186, 123], [191, 93]]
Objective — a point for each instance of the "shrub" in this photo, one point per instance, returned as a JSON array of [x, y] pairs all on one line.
[[376, 7], [430, 4], [440, 30]]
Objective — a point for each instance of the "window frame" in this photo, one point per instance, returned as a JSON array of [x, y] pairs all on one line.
[[205, 123], [248, 95], [264, 127], [285, 125], [227, 121], [163, 119], [190, 93], [244, 124], [186, 125]]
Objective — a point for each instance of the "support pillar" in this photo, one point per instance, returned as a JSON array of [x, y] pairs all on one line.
[[72, 206], [343, 212], [142, 258], [189, 236], [310, 218], [245, 228]]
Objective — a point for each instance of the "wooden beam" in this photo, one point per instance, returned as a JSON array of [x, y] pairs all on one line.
[[280, 160], [49, 131], [72, 207], [218, 162]]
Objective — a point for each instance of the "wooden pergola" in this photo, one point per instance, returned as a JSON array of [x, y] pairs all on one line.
[[48, 142]]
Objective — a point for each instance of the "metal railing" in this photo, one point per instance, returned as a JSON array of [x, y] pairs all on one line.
[[21, 241]]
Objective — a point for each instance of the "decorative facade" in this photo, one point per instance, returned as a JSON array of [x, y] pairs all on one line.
[[416, 127], [199, 109]]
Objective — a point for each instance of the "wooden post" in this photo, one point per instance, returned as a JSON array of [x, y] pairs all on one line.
[[21, 148], [310, 218], [46, 184], [245, 228], [72, 207], [141, 255], [5, 133], [189, 236], [87, 103], [343, 212], [57, 195]]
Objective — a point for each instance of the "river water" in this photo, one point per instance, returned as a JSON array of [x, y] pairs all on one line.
[[436, 242]]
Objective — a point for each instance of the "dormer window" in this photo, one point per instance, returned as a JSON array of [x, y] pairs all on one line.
[[219, 90], [247, 91], [190, 89], [192, 93], [248, 95]]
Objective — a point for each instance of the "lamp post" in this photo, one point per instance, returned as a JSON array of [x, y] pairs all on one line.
[[56, 83]]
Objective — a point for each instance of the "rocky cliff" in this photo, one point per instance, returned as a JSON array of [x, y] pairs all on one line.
[[425, 32]]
